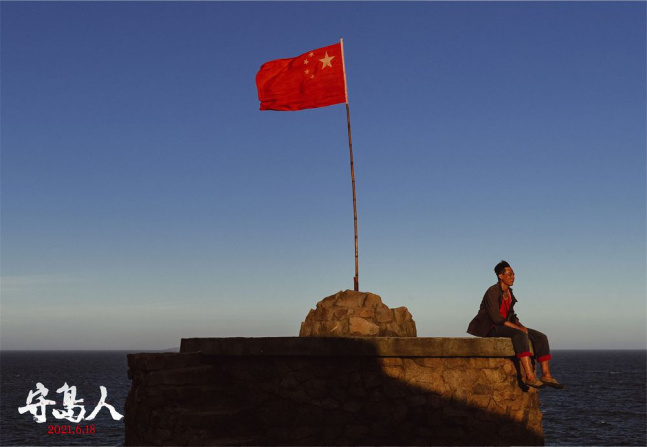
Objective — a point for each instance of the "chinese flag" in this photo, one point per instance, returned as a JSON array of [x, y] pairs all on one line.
[[314, 79]]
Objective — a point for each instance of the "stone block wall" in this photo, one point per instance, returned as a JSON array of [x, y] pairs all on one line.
[[331, 391]]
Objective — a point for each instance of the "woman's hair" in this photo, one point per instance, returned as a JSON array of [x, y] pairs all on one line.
[[500, 267]]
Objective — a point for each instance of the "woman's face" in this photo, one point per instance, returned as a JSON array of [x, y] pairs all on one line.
[[507, 276]]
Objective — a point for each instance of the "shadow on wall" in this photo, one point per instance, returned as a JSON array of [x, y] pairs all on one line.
[[197, 399]]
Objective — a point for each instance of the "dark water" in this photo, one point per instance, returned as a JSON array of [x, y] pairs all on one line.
[[87, 370], [603, 402]]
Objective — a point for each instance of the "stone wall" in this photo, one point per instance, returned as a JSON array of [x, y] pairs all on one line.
[[331, 391]]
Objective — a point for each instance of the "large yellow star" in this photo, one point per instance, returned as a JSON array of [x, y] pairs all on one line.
[[326, 61]]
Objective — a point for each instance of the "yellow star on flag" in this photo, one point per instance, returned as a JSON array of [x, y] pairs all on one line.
[[326, 61]]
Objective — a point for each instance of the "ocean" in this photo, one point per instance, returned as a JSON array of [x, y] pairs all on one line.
[[603, 402]]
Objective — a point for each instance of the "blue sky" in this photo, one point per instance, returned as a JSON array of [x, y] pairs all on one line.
[[145, 198]]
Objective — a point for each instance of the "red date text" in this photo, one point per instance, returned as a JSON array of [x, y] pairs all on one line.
[[71, 430]]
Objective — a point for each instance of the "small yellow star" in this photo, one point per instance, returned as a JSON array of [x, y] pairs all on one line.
[[306, 61]]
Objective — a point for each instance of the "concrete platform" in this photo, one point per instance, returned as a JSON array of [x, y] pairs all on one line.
[[351, 346], [300, 391]]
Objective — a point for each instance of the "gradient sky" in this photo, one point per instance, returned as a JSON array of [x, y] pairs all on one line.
[[145, 198]]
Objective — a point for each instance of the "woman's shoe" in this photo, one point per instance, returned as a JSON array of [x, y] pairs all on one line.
[[552, 382], [535, 383]]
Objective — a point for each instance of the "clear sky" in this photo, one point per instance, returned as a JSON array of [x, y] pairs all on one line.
[[145, 198]]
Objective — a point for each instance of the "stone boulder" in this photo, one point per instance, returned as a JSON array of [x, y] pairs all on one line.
[[357, 314]]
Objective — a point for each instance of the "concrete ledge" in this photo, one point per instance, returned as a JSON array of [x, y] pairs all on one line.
[[300, 391], [351, 346]]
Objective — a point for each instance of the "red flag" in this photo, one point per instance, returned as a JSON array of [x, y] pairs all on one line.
[[314, 79]]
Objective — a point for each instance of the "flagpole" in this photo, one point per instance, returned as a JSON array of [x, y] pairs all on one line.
[[352, 170]]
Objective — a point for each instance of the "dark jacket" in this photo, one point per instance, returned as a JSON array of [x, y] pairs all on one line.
[[489, 314]]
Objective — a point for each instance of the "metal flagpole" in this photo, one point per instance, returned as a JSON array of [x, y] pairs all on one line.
[[352, 170]]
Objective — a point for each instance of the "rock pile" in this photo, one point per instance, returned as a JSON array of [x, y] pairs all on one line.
[[357, 314]]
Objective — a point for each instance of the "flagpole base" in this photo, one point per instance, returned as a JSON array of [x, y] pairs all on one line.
[[355, 284]]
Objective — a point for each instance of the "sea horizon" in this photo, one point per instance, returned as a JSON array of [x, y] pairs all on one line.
[[178, 348]]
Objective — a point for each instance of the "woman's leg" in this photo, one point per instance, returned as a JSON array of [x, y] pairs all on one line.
[[527, 367], [521, 348], [545, 370], [542, 351]]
